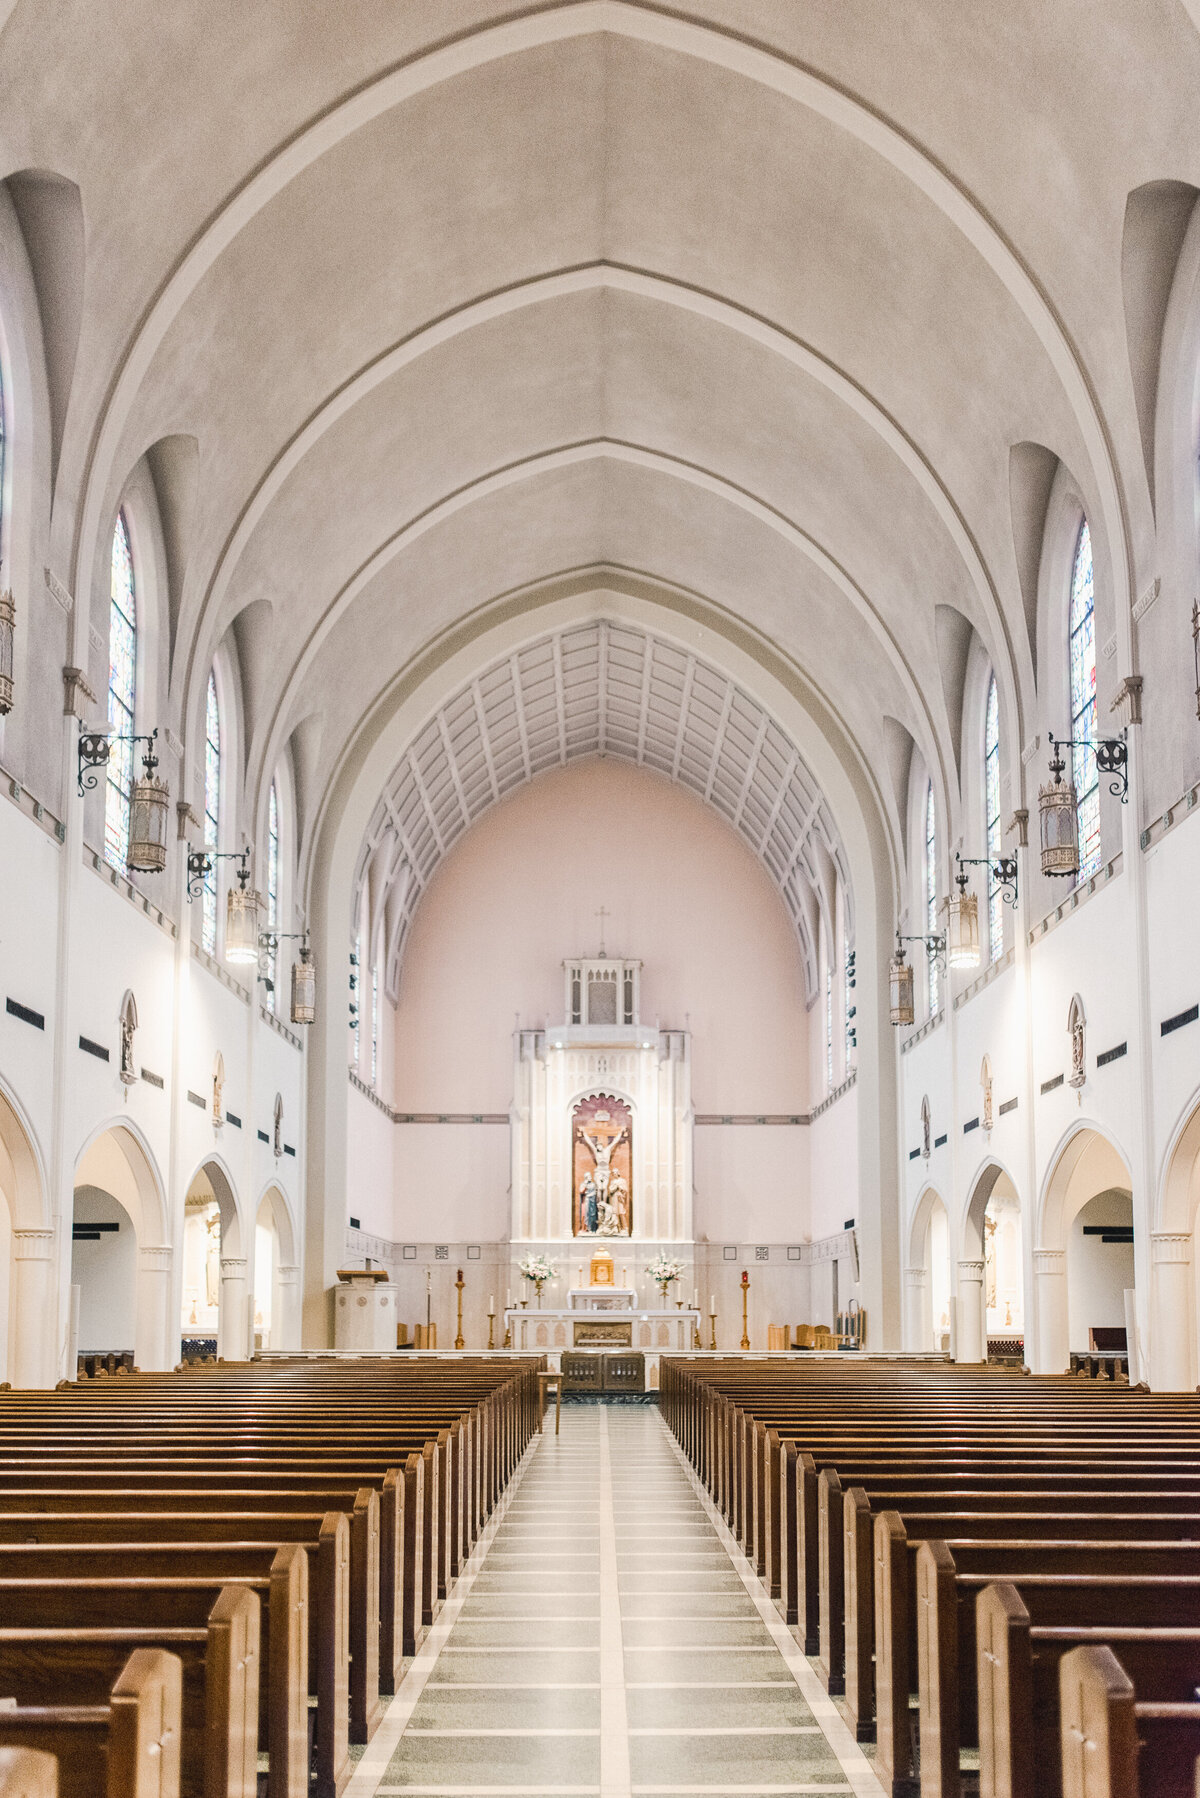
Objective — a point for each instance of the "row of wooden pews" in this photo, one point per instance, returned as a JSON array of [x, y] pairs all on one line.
[[990, 1571], [205, 1575]]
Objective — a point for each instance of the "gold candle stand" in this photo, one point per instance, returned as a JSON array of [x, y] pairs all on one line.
[[745, 1297], [459, 1283], [712, 1331]]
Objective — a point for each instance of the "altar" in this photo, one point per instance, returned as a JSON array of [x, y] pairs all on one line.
[[600, 1298], [542, 1332]]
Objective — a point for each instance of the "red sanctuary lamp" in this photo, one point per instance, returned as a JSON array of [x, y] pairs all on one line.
[[745, 1299], [458, 1281]]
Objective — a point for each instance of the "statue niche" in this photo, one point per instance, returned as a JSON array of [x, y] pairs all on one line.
[[602, 1166]]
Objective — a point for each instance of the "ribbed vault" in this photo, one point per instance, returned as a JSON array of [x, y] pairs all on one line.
[[600, 689]]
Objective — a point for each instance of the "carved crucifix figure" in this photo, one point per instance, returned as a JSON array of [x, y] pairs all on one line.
[[602, 1148]]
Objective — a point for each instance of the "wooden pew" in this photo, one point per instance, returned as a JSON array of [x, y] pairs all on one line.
[[126, 1745], [946, 1615], [1114, 1745]]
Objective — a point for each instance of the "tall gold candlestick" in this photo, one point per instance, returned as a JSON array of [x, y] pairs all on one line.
[[459, 1282], [491, 1328], [745, 1296], [712, 1336]]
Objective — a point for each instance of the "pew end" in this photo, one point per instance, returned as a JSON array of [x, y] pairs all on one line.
[[28, 1773], [1099, 1726]]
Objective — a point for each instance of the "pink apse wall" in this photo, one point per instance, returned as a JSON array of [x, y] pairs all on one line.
[[518, 895]]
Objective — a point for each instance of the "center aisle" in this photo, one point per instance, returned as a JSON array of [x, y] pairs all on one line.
[[605, 1641]]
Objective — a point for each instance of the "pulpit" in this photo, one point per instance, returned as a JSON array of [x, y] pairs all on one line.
[[364, 1311]]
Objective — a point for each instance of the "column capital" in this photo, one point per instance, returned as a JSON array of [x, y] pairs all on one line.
[[33, 1245], [287, 1272], [155, 1258], [1049, 1261], [1170, 1246], [970, 1270], [233, 1267], [915, 1276]]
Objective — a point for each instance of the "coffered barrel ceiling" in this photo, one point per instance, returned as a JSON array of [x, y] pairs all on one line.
[[414, 306]]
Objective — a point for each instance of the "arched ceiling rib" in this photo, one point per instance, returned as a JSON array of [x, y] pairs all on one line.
[[600, 689]]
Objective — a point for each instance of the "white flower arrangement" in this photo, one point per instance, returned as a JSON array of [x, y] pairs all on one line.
[[664, 1270], [537, 1268]]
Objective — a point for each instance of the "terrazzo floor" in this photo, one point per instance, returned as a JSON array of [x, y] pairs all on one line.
[[607, 1637]]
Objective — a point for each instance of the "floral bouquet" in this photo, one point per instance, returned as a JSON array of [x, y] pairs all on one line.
[[539, 1269], [664, 1270]]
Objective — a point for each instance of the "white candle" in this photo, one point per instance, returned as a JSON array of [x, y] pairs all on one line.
[[695, 1298], [712, 1302], [491, 1304], [508, 1300]]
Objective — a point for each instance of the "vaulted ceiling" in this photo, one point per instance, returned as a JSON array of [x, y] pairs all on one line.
[[411, 306]]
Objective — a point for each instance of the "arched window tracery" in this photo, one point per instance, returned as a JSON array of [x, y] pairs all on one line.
[[991, 809], [122, 697], [1082, 659], [212, 809], [273, 893]]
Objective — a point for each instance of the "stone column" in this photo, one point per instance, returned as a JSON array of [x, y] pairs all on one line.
[[285, 1323], [155, 1344], [232, 1318], [970, 1342], [918, 1332], [34, 1336], [1051, 1346], [1172, 1308]]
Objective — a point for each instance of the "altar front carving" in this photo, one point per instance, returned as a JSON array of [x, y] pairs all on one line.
[[602, 1118]]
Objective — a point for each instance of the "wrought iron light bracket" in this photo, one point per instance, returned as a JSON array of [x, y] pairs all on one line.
[[268, 945], [94, 749], [935, 947], [1112, 759], [200, 866], [1003, 869]]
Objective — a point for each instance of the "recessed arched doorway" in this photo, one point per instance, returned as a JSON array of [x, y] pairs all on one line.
[[928, 1323], [991, 1281], [276, 1275], [215, 1293], [121, 1256], [1174, 1345], [1078, 1261]]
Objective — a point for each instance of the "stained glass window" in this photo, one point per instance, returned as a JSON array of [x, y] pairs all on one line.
[[991, 806], [848, 999], [356, 996], [273, 891], [212, 809], [122, 683], [374, 1024], [931, 900], [1083, 704]]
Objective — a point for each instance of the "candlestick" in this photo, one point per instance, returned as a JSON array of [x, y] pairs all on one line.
[[491, 1329], [712, 1319], [695, 1298], [459, 1283], [712, 1301], [745, 1296]]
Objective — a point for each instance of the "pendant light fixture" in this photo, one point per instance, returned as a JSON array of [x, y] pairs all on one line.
[[148, 806], [304, 987], [242, 906], [1058, 820], [901, 1009], [962, 926]]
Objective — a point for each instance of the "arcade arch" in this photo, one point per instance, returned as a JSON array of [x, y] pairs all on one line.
[[124, 1282], [990, 1279], [276, 1292], [1174, 1278], [26, 1258], [215, 1294], [1072, 1277], [928, 1323]]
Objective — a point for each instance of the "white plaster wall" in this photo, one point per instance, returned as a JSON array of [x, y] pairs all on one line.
[[1098, 1273], [104, 1271], [518, 895]]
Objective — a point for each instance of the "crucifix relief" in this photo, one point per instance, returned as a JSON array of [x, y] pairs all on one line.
[[602, 1164]]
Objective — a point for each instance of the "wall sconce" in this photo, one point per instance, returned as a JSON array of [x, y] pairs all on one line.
[[8, 630], [304, 973], [963, 922], [149, 799], [901, 1010], [1058, 813]]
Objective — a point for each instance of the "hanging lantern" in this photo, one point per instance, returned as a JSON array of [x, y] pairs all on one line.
[[900, 989], [304, 987], [962, 930], [148, 805], [241, 920], [1058, 820], [8, 625]]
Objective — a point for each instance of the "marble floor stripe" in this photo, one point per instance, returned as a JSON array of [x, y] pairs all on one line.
[[607, 1640]]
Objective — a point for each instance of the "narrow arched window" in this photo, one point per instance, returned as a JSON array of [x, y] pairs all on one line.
[[356, 971], [991, 812], [212, 809], [273, 892], [1083, 704], [374, 1024], [122, 690], [829, 1029], [931, 898]]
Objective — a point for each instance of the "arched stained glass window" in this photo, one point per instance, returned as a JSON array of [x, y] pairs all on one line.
[[931, 897], [212, 809], [122, 685], [848, 997], [1083, 704], [991, 808], [273, 891]]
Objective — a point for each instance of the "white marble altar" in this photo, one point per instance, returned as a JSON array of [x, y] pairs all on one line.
[[532, 1332], [601, 1298]]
